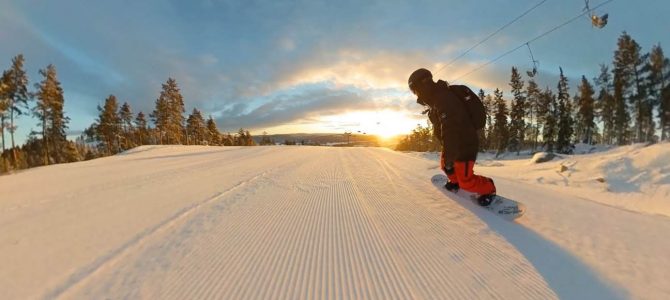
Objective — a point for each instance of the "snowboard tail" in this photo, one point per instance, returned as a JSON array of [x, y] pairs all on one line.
[[501, 206]]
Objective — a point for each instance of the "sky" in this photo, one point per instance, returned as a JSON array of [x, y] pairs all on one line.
[[303, 66]]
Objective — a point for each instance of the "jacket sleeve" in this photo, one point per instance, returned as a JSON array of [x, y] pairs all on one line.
[[434, 118]]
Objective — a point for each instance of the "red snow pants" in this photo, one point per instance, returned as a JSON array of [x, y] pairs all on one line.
[[462, 172]]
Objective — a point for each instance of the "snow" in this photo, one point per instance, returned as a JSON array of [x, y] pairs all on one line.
[[635, 178], [192, 222], [542, 157]]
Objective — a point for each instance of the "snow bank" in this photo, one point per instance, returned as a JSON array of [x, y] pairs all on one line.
[[542, 157], [635, 177]]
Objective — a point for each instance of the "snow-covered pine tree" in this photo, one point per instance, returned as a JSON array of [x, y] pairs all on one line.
[[585, 112], [517, 126], [500, 127]]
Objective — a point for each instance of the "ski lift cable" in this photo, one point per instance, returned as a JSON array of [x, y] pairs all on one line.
[[528, 42], [451, 62], [532, 57]]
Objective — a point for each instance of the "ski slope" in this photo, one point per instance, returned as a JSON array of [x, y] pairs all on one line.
[[178, 222]]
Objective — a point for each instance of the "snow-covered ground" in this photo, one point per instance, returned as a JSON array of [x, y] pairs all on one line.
[[635, 178], [320, 222]]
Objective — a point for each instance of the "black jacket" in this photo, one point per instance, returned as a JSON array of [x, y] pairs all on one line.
[[452, 124]]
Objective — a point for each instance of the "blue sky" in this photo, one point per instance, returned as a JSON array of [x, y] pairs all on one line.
[[301, 66]]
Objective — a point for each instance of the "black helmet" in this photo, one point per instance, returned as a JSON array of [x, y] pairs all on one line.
[[418, 77], [417, 80]]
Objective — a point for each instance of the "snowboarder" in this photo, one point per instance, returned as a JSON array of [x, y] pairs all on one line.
[[455, 123]]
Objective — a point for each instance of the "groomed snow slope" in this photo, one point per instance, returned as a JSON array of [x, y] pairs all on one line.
[[304, 223]]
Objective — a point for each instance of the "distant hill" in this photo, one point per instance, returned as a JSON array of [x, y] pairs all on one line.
[[328, 139]]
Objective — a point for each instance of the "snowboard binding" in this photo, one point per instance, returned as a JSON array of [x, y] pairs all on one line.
[[485, 200], [452, 186]]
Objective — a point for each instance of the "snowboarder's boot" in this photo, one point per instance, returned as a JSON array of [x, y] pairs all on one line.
[[452, 186], [485, 200]]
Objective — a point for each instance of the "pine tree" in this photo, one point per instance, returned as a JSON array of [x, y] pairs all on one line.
[[241, 138], [549, 112], [168, 114], [71, 153], [500, 128], [126, 119], [161, 116], [227, 139], [195, 128], [17, 96], [664, 111], [108, 129], [585, 112], [49, 110], [606, 104], [214, 136], [176, 112], [565, 121], [141, 130], [59, 122], [621, 119], [532, 99], [249, 139], [517, 126], [489, 104], [658, 69], [628, 83], [4, 107], [483, 143]]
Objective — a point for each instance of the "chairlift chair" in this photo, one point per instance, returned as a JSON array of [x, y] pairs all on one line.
[[597, 21]]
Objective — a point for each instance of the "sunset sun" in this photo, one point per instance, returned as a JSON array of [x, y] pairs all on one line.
[[384, 123]]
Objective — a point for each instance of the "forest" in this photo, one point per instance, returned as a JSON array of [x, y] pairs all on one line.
[[116, 129], [628, 102]]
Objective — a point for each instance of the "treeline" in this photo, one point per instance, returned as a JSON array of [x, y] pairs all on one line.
[[421, 139], [628, 102], [116, 129]]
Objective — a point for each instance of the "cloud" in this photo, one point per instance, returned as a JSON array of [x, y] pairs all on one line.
[[285, 108], [287, 44]]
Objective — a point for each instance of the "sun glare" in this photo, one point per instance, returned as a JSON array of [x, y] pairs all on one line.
[[384, 124]]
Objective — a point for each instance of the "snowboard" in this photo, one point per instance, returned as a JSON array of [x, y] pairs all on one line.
[[504, 207]]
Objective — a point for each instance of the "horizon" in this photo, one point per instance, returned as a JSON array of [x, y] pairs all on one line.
[[312, 67]]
